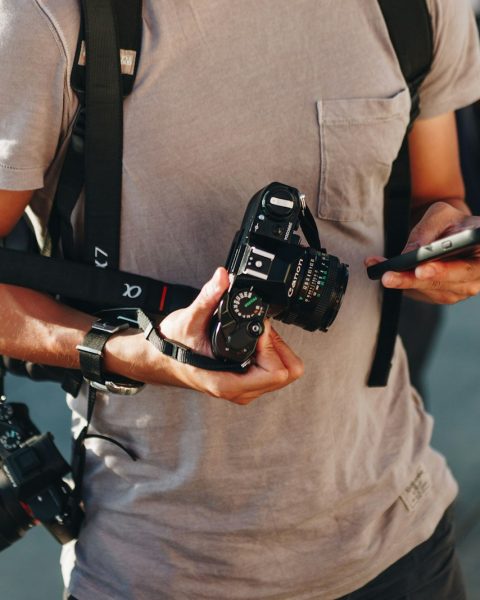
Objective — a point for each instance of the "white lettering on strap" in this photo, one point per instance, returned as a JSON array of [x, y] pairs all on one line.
[[132, 291], [99, 254]]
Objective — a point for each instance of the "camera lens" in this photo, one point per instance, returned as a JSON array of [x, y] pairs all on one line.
[[14, 520], [316, 288]]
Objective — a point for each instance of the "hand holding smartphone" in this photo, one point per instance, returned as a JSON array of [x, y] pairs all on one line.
[[457, 245]]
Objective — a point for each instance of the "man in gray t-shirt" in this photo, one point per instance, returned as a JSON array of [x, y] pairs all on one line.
[[315, 489]]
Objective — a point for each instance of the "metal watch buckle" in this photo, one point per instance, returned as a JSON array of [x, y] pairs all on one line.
[[110, 328], [115, 387]]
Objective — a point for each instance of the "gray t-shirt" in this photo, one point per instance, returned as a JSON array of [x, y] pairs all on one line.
[[311, 491]]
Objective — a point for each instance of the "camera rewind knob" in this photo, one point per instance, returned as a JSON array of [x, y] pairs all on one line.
[[278, 203], [255, 328]]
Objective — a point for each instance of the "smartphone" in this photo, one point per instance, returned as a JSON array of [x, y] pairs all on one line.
[[456, 245]]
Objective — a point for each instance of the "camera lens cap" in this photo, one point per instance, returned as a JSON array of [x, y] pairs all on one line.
[[279, 202]]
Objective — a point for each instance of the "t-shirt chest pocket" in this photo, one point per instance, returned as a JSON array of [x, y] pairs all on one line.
[[359, 140]]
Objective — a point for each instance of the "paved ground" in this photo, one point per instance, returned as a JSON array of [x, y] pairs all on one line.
[[28, 570]]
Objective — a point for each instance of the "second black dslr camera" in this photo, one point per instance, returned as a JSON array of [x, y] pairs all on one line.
[[32, 486], [272, 275]]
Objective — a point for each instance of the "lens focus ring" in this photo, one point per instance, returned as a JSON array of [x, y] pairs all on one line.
[[318, 295]]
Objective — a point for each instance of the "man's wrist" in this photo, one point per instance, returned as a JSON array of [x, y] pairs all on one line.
[[92, 364], [129, 354], [420, 208]]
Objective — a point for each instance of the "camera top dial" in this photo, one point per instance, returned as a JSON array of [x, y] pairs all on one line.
[[10, 439], [246, 304]]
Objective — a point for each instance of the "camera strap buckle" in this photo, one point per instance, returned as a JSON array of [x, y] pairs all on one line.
[[176, 350]]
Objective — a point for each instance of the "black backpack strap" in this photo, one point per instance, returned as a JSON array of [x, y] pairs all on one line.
[[115, 36], [410, 28], [128, 16]]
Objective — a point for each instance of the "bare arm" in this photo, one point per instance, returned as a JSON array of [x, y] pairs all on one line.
[[36, 327], [435, 165], [12, 205], [438, 208]]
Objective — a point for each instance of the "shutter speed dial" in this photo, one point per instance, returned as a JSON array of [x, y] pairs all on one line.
[[247, 305]]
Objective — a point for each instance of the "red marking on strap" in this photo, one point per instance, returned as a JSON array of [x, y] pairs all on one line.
[[29, 512], [163, 298]]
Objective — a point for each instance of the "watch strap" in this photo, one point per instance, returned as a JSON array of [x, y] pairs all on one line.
[[91, 359]]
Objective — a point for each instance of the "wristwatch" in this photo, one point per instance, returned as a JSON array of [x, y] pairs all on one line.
[[91, 360]]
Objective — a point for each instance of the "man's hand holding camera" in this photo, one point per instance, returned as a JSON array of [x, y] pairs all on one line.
[[276, 365]]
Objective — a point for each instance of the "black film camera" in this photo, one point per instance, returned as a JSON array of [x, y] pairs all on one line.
[[32, 488], [272, 275]]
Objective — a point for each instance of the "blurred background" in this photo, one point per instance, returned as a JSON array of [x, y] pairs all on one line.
[[442, 344]]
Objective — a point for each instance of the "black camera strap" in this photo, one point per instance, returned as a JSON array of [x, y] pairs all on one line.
[[111, 34], [309, 228], [103, 135], [410, 29], [182, 353], [91, 286]]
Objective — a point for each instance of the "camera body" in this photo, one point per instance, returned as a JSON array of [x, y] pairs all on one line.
[[273, 275], [32, 488]]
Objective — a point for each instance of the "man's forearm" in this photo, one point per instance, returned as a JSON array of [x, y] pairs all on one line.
[[37, 328], [435, 166]]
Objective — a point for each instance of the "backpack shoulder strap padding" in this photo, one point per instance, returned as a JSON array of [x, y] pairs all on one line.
[[128, 16]]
